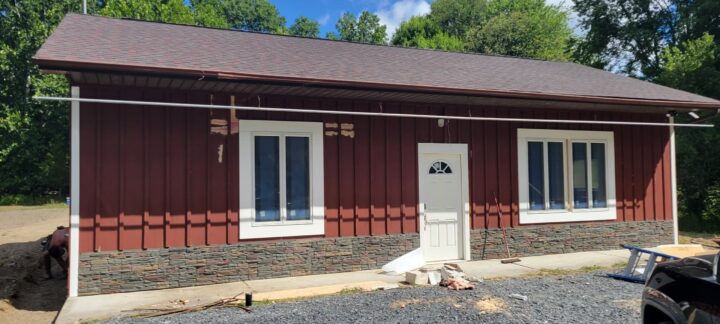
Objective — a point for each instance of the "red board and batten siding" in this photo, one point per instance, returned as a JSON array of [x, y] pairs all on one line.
[[167, 177]]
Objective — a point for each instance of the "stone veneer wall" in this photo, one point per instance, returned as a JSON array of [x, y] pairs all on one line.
[[134, 270], [567, 238], [125, 271]]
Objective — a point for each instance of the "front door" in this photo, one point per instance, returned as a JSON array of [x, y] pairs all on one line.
[[443, 195]]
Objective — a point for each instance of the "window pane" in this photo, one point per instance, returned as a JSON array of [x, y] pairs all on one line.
[[535, 174], [556, 175], [580, 189], [597, 151], [267, 179], [297, 177]]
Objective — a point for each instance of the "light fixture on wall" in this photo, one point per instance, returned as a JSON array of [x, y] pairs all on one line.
[[694, 115], [441, 122]]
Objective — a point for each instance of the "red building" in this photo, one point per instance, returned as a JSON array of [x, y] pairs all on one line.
[[204, 156]]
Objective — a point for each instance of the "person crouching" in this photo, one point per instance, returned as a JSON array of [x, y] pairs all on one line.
[[55, 246]]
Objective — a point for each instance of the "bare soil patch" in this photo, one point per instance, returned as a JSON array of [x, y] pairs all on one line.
[[25, 296]]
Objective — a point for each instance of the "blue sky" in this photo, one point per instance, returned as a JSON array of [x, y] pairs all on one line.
[[327, 12]]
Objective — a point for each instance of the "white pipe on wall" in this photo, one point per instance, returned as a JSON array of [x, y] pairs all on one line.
[[361, 113]]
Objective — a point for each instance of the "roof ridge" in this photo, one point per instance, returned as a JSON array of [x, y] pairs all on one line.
[[337, 40]]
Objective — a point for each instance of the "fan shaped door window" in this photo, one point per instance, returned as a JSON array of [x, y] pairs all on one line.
[[440, 167]]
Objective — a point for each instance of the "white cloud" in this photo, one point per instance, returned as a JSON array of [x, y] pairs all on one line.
[[393, 15], [323, 19]]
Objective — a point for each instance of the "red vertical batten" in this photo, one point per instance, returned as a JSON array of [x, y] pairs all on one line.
[[504, 171], [88, 171], [197, 137], [346, 167], [377, 175], [177, 182], [491, 172], [362, 172], [331, 176], [154, 177], [154, 193], [515, 195], [619, 170], [393, 171], [217, 160], [133, 175], [408, 161]]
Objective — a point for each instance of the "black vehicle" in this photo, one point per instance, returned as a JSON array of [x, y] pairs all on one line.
[[683, 291]]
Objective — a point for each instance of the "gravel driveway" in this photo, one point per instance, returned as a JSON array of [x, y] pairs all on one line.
[[580, 298]]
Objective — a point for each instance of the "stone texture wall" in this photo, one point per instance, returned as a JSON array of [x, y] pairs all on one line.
[[567, 238], [125, 271]]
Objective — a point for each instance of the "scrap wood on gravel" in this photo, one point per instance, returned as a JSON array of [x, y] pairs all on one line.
[[550, 299]]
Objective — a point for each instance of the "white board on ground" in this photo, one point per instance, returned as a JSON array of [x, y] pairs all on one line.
[[407, 262]]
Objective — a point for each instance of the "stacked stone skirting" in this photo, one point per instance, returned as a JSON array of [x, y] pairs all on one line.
[[568, 238], [126, 271]]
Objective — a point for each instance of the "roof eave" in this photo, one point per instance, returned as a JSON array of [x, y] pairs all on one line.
[[56, 66]]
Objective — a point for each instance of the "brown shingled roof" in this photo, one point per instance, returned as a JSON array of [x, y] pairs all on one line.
[[100, 43]]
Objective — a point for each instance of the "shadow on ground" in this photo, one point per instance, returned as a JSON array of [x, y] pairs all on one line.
[[22, 278]]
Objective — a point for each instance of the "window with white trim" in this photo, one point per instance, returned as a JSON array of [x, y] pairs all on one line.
[[565, 176], [281, 179]]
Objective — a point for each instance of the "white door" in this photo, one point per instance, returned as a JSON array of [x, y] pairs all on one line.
[[443, 182]]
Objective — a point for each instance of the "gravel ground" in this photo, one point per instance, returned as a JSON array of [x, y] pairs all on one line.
[[580, 298]]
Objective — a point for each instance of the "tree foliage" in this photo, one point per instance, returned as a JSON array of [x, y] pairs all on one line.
[[527, 28], [305, 27], [694, 66], [33, 135], [455, 17], [423, 32], [363, 29], [674, 43], [253, 15], [174, 11]]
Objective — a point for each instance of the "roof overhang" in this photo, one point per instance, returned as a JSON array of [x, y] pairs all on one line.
[[153, 77]]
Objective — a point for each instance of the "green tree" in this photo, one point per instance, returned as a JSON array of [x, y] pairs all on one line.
[[253, 15], [364, 29], [33, 135], [173, 11], [209, 14], [629, 36], [423, 32], [674, 43], [455, 17], [526, 28], [306, 27], [693, 66]]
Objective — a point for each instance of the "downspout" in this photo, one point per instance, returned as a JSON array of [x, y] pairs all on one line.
[[673, 180]]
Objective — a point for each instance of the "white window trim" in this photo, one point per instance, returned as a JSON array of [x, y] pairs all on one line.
[[249, 229], [528, 216]]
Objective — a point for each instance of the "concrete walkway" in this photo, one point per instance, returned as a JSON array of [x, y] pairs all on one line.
[[89, 308]]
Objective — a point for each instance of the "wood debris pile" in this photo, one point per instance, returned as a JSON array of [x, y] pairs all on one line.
[[236, 301]]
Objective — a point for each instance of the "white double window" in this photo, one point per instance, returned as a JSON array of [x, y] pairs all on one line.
[[565, 176], [281, 179]]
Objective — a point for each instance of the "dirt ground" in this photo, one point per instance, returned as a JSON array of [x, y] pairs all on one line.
[[25, 296]]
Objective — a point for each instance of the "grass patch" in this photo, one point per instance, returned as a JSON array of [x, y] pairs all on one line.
[[698, 238], [562, 272], [346, 291], [28, 200], [26, 207]]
